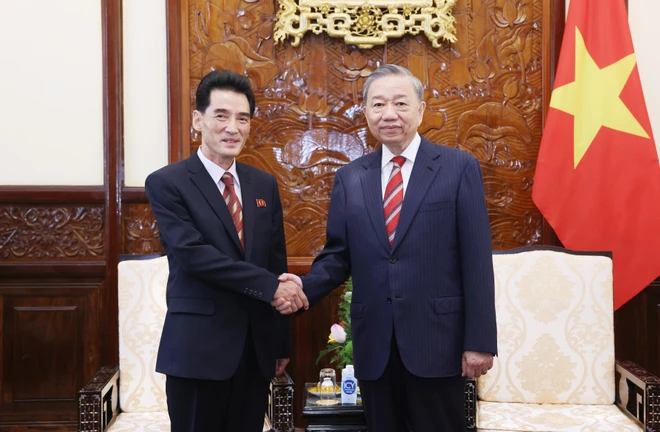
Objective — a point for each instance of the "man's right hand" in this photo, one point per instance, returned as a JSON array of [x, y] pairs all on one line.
[[289, 298], [292, 278]]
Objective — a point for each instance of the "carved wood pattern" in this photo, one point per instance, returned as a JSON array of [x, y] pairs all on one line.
[[141, 234], [59, 232], [484, 96]]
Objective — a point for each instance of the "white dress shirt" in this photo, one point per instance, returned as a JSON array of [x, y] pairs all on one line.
[[386, 164], [216, 172]]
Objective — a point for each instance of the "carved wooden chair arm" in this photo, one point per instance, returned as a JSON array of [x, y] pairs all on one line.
[[471, 403], [638, 394], [98, 401], [280, 405]]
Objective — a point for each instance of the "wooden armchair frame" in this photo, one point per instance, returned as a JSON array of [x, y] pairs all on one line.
[[98, 402]]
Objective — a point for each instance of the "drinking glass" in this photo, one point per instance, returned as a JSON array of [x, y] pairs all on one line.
[[328, 373], [327, 391]]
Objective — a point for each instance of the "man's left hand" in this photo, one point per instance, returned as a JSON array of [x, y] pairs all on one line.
[[476, 364], [280, 366]]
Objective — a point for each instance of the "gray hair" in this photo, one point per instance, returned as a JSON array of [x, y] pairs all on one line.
[[392, 69]]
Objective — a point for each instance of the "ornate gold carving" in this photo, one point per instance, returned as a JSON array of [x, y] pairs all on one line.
[[141, 234], [55, 233], [366, 24]]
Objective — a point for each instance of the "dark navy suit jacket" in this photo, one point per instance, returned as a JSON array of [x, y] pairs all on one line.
[[434, 287], [216, 290]]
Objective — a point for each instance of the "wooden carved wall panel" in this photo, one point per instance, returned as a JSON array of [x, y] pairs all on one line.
[[36, 325], [51, 232], [637, 329], [50, 345], [140, 231], [484, 96], [652, 329]]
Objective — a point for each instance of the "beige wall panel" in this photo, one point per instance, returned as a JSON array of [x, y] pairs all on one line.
[[145, 89], [51, 82], [643, 15]]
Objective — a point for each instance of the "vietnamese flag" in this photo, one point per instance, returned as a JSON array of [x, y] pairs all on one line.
[[597, 177]]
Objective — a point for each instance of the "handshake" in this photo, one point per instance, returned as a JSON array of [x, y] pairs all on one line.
[[289, 296]]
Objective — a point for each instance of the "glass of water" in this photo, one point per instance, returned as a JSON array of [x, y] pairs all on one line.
[[328, 373]]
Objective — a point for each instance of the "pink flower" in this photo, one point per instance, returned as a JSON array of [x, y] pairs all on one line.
[[338, 333]]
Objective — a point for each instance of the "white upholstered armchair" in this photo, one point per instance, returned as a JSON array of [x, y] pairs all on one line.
[[132, 396], [556, 368]]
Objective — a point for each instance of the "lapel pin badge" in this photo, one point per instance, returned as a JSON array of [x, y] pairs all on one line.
[[261, 203]]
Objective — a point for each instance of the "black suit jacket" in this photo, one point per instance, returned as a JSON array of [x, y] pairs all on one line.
[[434, 288], [215, 290]]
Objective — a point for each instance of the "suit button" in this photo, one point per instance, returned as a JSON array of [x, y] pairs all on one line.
[[261, 295], [392, 260], [246, 289], [389, 300]]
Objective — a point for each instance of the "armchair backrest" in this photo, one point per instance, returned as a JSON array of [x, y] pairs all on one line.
[[555, 328], [142, 310]]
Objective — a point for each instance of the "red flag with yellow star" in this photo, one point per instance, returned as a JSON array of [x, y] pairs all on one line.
[[597, 176]]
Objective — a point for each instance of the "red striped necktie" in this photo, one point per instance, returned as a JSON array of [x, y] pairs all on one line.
[[393, 198], [233, 204]]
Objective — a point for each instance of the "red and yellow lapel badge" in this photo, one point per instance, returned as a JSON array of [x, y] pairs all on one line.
[[261, 202]]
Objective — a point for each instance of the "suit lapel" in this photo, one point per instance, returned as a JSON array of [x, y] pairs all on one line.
[[426, 168], [249, 206], [201, 178], [373, 194]]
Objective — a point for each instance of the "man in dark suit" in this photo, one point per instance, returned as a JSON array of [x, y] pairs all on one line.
[[409, 224], [221, 225]]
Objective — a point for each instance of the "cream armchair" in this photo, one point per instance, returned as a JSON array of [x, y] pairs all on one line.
[[132, 396], [556, 367]]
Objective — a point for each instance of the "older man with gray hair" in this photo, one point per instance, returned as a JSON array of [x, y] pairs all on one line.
[[409, 223]]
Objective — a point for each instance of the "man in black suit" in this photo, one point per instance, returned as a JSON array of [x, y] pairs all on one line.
[[409, 224], [221, 226]]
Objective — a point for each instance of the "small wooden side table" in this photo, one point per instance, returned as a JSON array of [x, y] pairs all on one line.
[[344, 418]]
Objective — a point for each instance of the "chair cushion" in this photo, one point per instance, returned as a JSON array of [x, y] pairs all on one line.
[[142, 311], [157, 421], [151, 422], [555, 330], [501, 416]]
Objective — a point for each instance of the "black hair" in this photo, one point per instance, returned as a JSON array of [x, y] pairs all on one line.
[[222, 80]]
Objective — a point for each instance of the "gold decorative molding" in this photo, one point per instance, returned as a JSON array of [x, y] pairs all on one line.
[[366, 24]]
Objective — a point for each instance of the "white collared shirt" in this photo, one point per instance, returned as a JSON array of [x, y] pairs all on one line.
[[216, 172], [386, 163]]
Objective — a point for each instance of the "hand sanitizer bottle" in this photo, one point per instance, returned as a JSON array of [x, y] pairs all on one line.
[[348, 386]]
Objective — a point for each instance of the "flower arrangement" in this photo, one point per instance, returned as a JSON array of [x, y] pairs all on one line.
[[340, 343]]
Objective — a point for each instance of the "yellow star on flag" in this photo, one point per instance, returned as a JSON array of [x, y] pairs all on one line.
[[593, 98]]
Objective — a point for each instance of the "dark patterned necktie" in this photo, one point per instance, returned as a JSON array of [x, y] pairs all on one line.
[[233, 204]]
